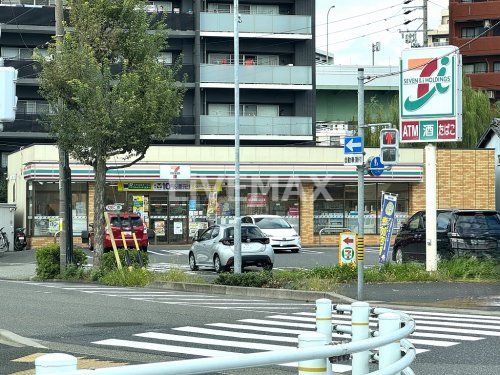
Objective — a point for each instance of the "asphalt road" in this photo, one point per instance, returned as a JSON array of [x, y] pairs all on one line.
[[130, 325]]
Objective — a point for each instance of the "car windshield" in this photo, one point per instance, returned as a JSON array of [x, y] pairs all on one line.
[[271, 223], [133, 221], [246, 232], [478, 223]]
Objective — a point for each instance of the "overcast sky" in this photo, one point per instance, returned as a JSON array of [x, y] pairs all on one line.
[[358, 51]]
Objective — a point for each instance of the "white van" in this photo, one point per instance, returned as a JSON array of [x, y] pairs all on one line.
[[281, 234]]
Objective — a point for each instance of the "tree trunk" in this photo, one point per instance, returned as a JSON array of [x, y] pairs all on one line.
[[99, 222]]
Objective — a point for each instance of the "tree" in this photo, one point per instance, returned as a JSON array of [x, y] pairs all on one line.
[[477, 115], [116, 96]]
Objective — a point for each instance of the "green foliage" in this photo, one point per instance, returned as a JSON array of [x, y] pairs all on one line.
[[116, 95], [47, 262], [392, 272], [126, 277], [470, 269], [338, 273], [108, 261], [73, 272], [248, 279], [177, 275], [48, 259]]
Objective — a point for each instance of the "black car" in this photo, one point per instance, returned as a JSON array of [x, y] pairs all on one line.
[[459, 233]]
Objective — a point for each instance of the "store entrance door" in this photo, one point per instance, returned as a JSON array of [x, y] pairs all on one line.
[[177, 228]]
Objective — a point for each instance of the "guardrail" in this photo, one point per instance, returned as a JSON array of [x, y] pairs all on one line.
[[315, 353], [335, 230]]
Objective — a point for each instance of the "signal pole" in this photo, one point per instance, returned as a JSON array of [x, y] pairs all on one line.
[[360, 251], [425, 26]]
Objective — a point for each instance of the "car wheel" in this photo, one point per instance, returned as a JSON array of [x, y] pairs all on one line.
[[218, 265], [399, 256], [192, 262], [144, 248], [267, 267], [295, 251]]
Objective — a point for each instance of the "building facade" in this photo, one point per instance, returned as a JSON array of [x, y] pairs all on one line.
[[440, 36], [277, 73], [179, 189], [481, 59]]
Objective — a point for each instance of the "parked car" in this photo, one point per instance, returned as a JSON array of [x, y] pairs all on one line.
[[215, 247], [282, 235], [459, 233], [127, 223]]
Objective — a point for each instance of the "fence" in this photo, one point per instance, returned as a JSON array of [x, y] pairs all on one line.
[[315, 353]]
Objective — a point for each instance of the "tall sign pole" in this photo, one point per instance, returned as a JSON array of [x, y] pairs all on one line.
[[361, 185], [237, 213], [430, 97]]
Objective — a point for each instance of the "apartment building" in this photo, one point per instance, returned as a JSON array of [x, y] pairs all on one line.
[[277, 73], [440, 36], [481, 59]]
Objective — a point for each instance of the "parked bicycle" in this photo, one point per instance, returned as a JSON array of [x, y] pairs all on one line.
[[4, 241]]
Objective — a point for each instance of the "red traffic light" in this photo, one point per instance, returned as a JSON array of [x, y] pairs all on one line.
[[389, 138]]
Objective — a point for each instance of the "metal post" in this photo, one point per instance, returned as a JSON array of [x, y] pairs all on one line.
[[328, 35], [237, 214], [55, 363], [324, 324], [360, 331], [361, 185], [425, 26], [430, 208], [390, 353], [62, 155], [312, 366]]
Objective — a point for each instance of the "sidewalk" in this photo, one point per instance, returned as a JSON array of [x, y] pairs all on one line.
[[18, 265]]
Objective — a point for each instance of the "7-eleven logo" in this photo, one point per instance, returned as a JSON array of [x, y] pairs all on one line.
[[175, 171]]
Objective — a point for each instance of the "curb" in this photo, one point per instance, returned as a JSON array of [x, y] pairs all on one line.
[[286, 294], [12, 339]]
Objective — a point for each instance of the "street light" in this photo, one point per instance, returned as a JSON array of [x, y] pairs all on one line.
[[327, 34], [375, 48]]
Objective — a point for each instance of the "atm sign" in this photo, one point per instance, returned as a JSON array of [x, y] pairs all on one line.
[[429, 130]]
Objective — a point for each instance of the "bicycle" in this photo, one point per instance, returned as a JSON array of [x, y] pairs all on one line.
[[4, 241]]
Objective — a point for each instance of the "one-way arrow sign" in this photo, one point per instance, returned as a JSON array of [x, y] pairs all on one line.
[[353, 145], [348, 240]]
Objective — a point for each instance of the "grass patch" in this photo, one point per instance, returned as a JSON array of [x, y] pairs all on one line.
[[177, 275], [126, 277], [470, 269]]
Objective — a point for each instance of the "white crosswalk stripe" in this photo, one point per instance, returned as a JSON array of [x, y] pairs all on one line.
[[280, 331]]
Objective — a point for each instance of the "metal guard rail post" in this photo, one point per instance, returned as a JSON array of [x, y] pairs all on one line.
[[237, 361], [332, 229]]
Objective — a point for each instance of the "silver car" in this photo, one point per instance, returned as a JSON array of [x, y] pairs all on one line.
[[215, 247]]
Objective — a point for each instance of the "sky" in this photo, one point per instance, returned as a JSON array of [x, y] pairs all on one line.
[[359, 51]]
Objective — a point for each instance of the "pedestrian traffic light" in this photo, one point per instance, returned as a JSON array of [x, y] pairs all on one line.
[[8, 99], [389, 146]]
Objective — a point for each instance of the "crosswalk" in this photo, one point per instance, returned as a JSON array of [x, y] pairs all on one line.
[[169, 297], [280, 331]]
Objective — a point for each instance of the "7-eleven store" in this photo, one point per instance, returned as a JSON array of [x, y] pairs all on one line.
[[178, 189]]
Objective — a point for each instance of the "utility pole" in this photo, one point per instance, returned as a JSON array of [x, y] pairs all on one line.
[[65, 212], [237, 213], [360, 251], [328, 35], [425, 27]]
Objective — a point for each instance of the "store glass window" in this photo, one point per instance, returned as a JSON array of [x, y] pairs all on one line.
[[43, 208], [336, 206]]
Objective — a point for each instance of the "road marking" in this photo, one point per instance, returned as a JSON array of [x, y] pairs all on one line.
[[216, 342], [235, 334], [487, 317]]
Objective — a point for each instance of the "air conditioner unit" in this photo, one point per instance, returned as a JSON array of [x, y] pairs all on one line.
[[491, 94], [487, 24]]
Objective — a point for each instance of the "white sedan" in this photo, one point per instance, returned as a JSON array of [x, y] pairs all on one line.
[[215, 247]]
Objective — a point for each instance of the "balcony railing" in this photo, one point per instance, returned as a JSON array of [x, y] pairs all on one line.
[[485, 45], [487, 80], [257, 126], [257, 74], [257, 23]]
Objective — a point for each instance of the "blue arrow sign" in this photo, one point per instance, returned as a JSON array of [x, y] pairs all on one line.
[[353, 145], [376, 167]]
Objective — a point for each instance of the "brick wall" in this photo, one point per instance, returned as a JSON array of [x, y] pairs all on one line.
[[466, 179], [91, 193], [307, 213], [36, 242]]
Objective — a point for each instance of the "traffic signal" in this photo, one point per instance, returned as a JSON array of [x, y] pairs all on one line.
[[8, 99], [389, 146]]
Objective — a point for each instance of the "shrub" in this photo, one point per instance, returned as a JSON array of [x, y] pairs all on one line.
[[73, 272], [339, 273], [48, 259], [108, 261], [248, 279], [126, 277], [468, 268], [177, 275], [47, 262]]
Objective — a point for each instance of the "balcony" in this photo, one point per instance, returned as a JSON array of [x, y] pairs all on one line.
[[296, 27], [179, 21], [473, 11], [257, 76], [256, 127], [485, 45], [486, 81]]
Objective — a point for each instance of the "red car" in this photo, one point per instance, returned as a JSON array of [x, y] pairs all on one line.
[[127, 223]]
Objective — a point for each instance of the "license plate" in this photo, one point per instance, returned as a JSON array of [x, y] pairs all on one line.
[[127, 233], [21, 238]]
